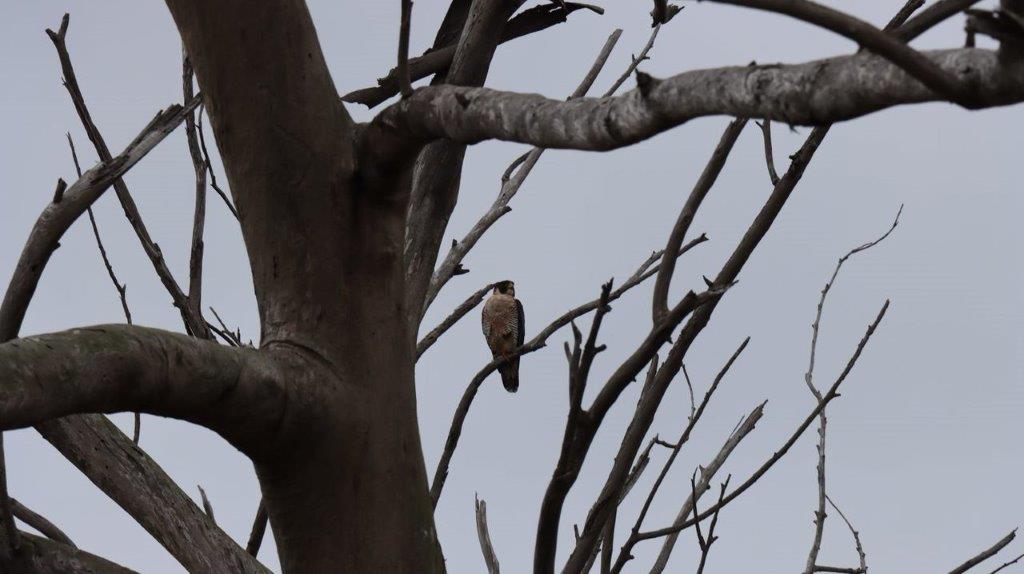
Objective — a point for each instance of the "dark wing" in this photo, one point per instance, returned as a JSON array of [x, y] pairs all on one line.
[[520, 324]]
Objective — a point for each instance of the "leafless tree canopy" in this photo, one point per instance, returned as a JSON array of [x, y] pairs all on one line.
[[344, 224]]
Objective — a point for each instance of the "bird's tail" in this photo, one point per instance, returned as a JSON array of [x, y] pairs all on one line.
[[510, 375]]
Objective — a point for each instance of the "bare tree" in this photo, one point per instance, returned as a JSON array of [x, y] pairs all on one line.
[[344, 223]]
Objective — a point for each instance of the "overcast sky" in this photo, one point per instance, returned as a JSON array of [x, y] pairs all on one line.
[[924, 445]]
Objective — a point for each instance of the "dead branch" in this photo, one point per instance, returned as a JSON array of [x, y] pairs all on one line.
[[193, 322], [985, 554], [864, 34], [452, 263], [468, 305], [535, 344], [436, 175], [207, 507], [707, 179], [706, 542], [209, 167], [404, 82], [438, 59], [119, 368], [798, 94], [259, 529], [856, 536], [931, 17], [766, 130], [819, 513], [121, 288], [707, 474], [485, 538], [832, 393], [1007, 564], [118, 286], [56, 218], [39, 554], [195, 266], [40, 523]]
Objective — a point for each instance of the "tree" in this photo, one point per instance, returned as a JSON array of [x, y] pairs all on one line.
[[344, 222]]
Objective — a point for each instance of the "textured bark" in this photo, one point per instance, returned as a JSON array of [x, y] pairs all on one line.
[[118, 368], [813, 93], [38, 555], [138, 485], [343, 479]]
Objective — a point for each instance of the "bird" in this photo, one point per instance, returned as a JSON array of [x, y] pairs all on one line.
[[504, 326]]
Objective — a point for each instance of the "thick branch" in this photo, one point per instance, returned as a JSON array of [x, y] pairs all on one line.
[[40, 555], [118, 368], [139, 486], [40, 523], [874, 39], [813, 93]]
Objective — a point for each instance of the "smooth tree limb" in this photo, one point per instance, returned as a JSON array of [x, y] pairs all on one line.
[[121, 368]]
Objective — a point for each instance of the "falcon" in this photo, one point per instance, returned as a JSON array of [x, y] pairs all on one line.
[[504, 329]]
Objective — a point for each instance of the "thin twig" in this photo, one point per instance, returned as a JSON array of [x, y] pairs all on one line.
[[706, 542], [766, 129], [209, 167], [707, 474], [636, 61], [856, 536], [194, 324], [819, 513], [985, 554], [233, 337], [1008, 564], [832, 394], [468, 305], [437, 61]]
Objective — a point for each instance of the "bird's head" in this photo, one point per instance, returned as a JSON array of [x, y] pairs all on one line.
[[505, 288]]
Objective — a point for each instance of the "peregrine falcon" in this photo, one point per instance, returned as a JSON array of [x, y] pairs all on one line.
[[505, 329]]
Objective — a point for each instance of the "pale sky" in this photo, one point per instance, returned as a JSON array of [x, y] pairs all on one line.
[[924, 445]]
